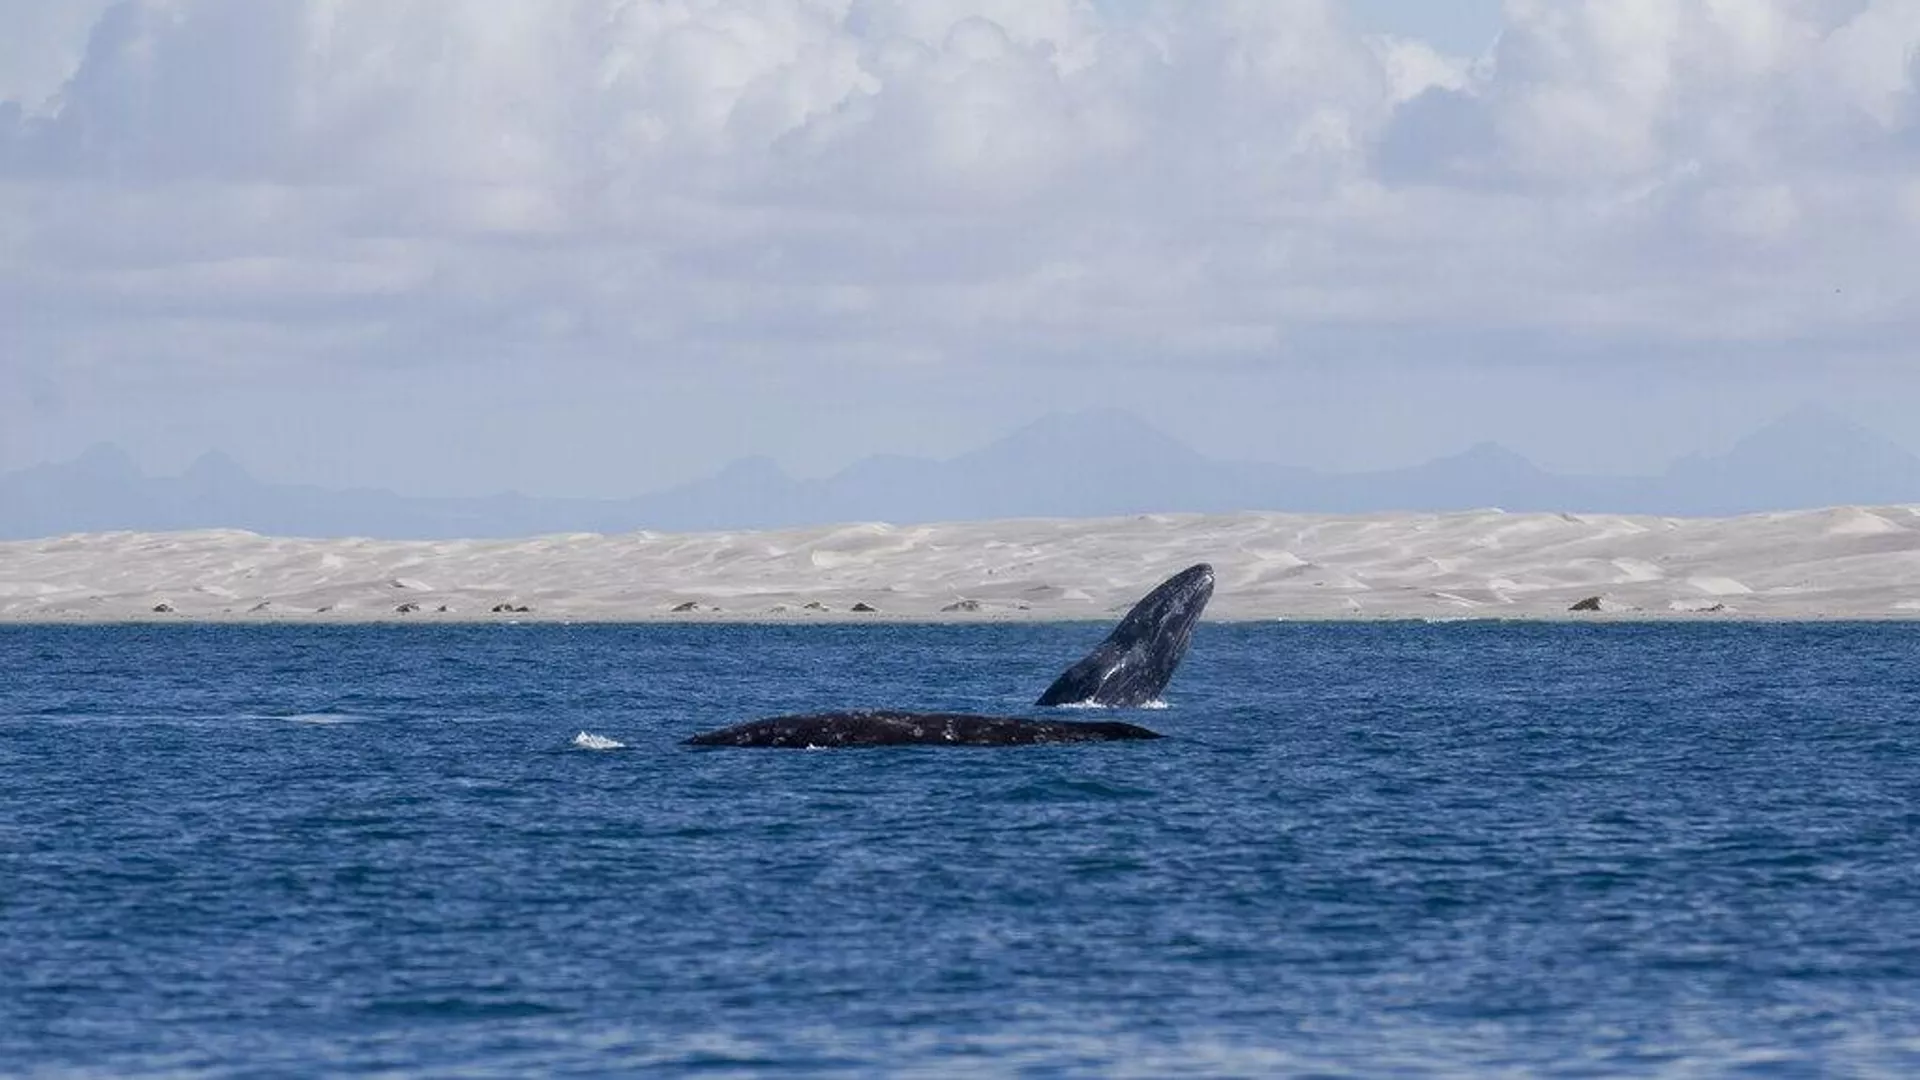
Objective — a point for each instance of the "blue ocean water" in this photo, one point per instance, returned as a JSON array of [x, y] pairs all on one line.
[[1371, 850]]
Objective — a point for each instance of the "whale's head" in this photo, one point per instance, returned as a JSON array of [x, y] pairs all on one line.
[[1171, 609], [1136, 661]]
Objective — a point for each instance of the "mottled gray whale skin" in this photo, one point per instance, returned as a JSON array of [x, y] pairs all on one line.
[[1133, 665], [882, 727]]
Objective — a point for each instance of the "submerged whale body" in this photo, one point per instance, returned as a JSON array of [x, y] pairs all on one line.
[[880, 727], [1131, 667]]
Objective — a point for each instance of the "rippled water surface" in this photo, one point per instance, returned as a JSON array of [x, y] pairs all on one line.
[[1466, 849]]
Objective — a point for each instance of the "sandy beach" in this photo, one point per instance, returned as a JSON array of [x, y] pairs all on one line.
[[1839, 563]]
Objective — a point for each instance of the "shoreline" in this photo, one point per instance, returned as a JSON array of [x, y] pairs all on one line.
[[838, 620], [1838, 564]]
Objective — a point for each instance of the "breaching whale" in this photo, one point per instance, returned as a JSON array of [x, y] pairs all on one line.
[[1131, 667]]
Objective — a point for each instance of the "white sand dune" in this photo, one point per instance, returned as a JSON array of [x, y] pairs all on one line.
[[1847, 562]]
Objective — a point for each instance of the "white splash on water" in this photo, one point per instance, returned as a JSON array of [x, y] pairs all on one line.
[[589, 741]]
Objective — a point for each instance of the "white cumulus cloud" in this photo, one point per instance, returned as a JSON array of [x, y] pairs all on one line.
[[190, 188]]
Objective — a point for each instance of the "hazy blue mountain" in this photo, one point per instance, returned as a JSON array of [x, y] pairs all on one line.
[[102, 490], [1806, 458], [1079, 464], [1074, 465]]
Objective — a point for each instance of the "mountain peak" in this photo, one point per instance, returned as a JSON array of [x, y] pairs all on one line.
[[216, 467], [1810, 434], [1088, 421], [1813, 420], [1092, 433], [1807, 457], [756, 467], [105, 460], [1486, 458], [1490, 451]]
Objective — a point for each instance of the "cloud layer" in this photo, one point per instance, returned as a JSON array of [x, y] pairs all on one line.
[[230, 190]]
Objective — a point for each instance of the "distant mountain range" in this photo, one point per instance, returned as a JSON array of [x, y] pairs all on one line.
[[1064, 465]]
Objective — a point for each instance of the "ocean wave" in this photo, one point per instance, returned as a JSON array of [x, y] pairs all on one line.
[[586, 740]]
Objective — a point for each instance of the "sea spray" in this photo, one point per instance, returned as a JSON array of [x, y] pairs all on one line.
[[586, 740]]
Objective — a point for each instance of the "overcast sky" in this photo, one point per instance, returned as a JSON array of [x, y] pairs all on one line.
[[598, 246]]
